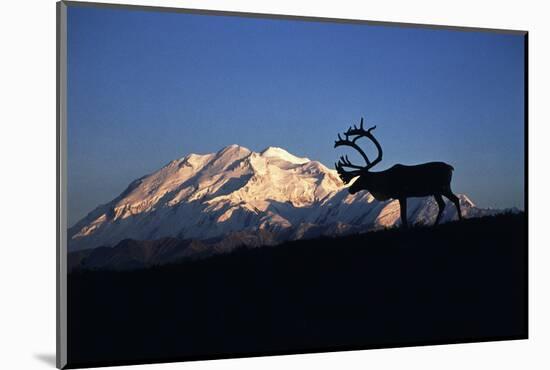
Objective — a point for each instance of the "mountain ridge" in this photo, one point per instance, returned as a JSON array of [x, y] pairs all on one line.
[[236, 190]]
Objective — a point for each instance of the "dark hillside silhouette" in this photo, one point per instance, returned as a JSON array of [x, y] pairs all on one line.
[[456, 282], [398, 182]]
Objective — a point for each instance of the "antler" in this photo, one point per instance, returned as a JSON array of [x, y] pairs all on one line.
[[358, 132], [345, 175], [361, 132], [348, 142]]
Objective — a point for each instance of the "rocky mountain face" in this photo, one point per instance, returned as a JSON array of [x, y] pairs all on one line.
[[239, 197]]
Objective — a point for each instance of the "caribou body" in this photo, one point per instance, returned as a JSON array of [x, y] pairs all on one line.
[[398, 182]]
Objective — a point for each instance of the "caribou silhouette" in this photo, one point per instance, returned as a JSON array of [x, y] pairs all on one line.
[[398, 182]]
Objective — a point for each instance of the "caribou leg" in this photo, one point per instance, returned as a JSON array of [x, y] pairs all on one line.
[[403, 209], [441, 207], [453, 198]]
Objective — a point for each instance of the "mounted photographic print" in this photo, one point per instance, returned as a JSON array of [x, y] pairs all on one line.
[[234, 184]]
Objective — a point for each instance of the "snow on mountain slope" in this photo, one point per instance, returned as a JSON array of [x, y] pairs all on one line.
[[237, 196]]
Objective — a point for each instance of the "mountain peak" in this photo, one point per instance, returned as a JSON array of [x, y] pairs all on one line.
[[276, 152], [237, 192], [234, 148]]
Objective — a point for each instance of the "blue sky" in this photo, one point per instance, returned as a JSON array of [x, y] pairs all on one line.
[[145, 88]]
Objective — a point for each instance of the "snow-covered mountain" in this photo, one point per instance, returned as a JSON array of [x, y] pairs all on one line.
[[237, 196]]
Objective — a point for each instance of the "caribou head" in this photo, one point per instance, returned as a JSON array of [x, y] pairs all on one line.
[[398, 182], [351, 136]]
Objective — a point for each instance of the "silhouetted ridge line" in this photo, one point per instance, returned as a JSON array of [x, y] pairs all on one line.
[[134, 254], [457, 282]]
